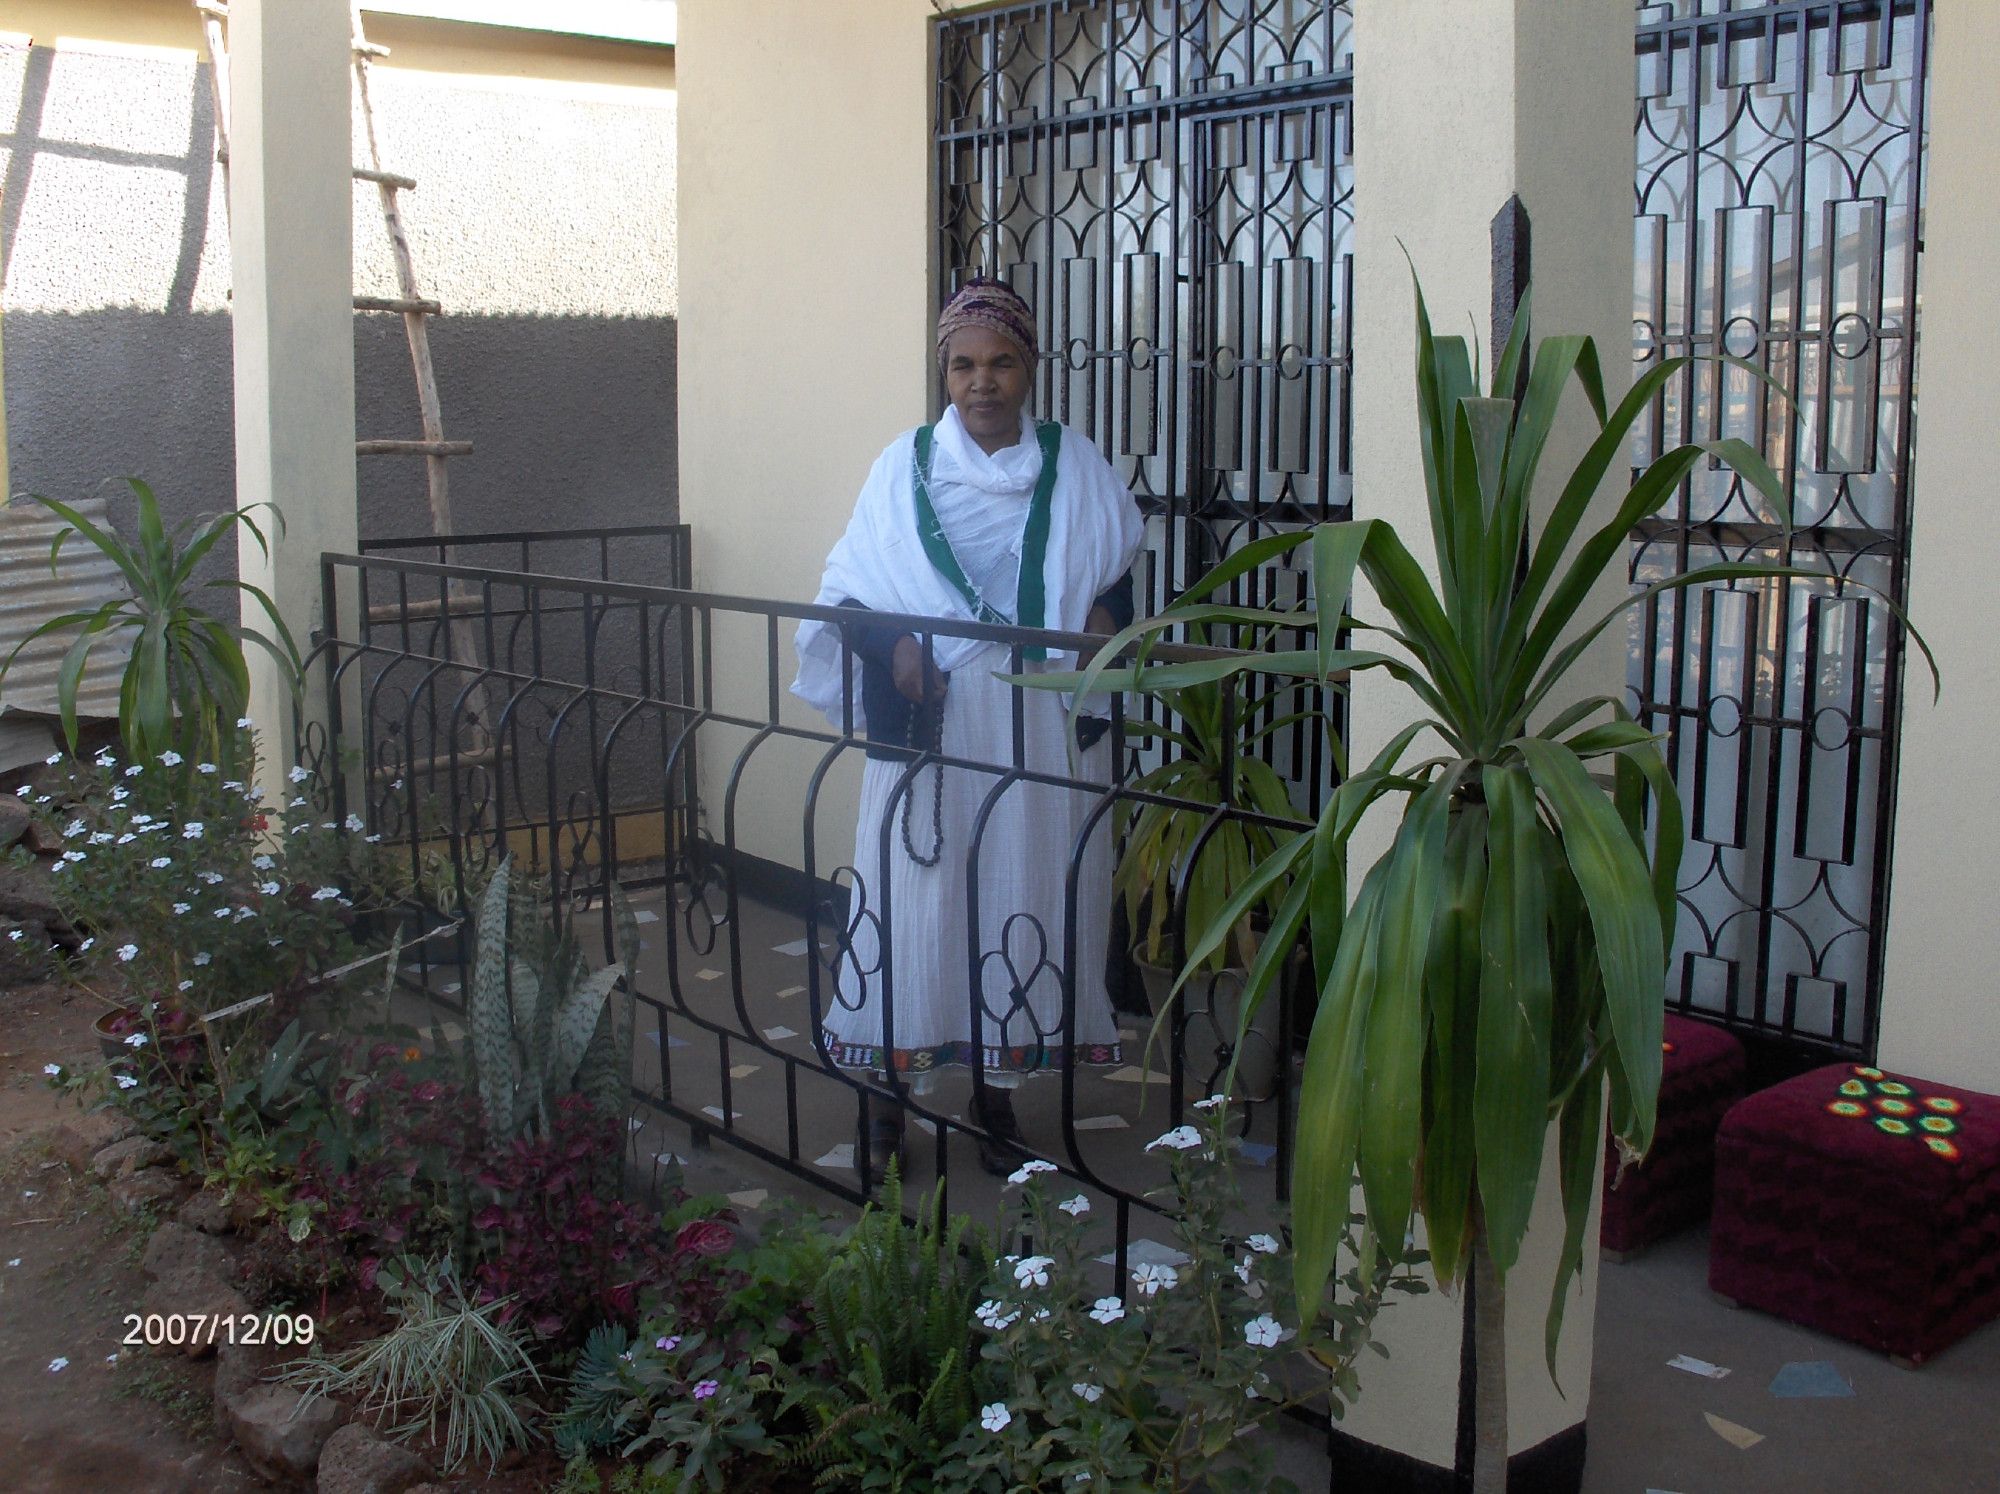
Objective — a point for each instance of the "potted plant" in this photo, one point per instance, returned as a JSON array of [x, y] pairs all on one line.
[[1178, 857], [1499, 968]]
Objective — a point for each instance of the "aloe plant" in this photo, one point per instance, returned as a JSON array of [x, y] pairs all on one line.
[[541, 1022], [1500, 966], [186, 683]]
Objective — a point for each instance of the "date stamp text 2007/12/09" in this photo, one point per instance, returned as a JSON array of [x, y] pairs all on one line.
[[249, 1328]]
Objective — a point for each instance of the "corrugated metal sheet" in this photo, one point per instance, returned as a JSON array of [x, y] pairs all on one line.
[[29, 595]]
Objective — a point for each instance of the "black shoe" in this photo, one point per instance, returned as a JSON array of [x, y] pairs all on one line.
[[1001, 1146], [880, 1141]]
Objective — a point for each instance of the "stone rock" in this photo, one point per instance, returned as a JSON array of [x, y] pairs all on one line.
[[208, 1212], [190, 1279], [81, 1135], [42, 838], [175, 1248], [27, 897], [78, 1138], [356, 1461], [14, 820], [278, 1431], [127, 1156], [24, 951], [150, 1188]]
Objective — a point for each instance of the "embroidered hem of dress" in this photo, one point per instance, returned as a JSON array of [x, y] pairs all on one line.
[[1039, 1058]]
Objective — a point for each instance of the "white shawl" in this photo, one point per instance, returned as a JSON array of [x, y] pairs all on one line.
[[982, 502]]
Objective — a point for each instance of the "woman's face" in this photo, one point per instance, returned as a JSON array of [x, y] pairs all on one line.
[[987, 380]]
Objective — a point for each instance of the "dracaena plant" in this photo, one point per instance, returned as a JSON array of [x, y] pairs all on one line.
[[186, 683], [1500, 966]]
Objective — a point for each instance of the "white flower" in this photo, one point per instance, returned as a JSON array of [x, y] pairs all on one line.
[[992, 1315], [273, 943], [1263, 1244], [171, 758], [244, 723], [73, 829], [262, 863], [127, 838], [135, 1040], [324, 893], [243, 913], [84, 948], [119, 795], [204, 767], [1263, 1331], [101, 838], [1180, 1139], [53, 1070], [128, 952], [212, 878], [180, 908], [355, 824], [52, 759], [1086, 1392], [1028, 1169], [134, 771], [221, 912], [58, 1364], [160, 861], [126, 1081], [298, 802], [994, 1417], [299, 829], [1106, 1310], [60, 866], [232, 783], [1075, 1207], [298, 775], [1213, 1102], [110, 1358], [15, 1261], [73, 856], [14, 936], [1034, 1271], [201, 958], [1151, 1280], [24, 790], [187, 985], [270, 889], [1252, 1288], [191, 830]]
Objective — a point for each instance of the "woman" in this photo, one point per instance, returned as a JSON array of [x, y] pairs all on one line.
[[984, 517]]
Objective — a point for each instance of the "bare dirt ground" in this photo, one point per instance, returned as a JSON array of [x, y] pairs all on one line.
[[69, 1271]]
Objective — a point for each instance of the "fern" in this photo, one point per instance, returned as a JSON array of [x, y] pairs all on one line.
[[895, 1313]]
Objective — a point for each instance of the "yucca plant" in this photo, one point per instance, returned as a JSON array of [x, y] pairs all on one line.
[[1500, 966], [186, 683]]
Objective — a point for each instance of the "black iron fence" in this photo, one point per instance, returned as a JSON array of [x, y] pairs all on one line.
[[759, 932]]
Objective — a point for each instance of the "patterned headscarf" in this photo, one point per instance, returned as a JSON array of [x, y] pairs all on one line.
[[993, 304]]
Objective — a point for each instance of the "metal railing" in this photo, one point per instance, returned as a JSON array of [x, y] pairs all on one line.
[[753, 847]]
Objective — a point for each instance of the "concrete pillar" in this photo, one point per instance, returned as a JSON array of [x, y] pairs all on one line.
[[1461, 105], [292, 252], [1937, 979]]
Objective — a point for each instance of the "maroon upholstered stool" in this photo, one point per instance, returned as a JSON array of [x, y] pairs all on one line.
[[1863, 1204], [1701, 1076]]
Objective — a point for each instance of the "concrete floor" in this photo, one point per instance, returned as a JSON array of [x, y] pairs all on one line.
[[1933, 1428]]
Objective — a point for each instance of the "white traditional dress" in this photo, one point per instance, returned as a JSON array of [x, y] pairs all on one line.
[[1009, 1018]]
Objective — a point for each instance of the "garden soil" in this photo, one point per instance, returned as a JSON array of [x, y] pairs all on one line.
[[69, 1270]]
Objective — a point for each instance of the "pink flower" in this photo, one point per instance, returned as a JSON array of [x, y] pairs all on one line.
[[705, 1389]]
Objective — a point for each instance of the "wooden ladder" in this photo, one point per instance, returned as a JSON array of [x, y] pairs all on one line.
[[415, 309]]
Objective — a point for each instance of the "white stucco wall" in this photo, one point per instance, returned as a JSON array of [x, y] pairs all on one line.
[[806, 306], [1938, 1018]]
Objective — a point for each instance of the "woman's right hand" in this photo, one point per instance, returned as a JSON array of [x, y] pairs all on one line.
[[909, 668]]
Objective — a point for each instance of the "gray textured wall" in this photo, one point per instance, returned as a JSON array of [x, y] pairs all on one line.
[[543, 221]]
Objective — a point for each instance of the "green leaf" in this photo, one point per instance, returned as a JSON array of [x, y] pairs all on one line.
[[1578, 1135], [1389, 1145], [1617, 890], [1516, 998], [1451, 983], [1332, 1093]]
